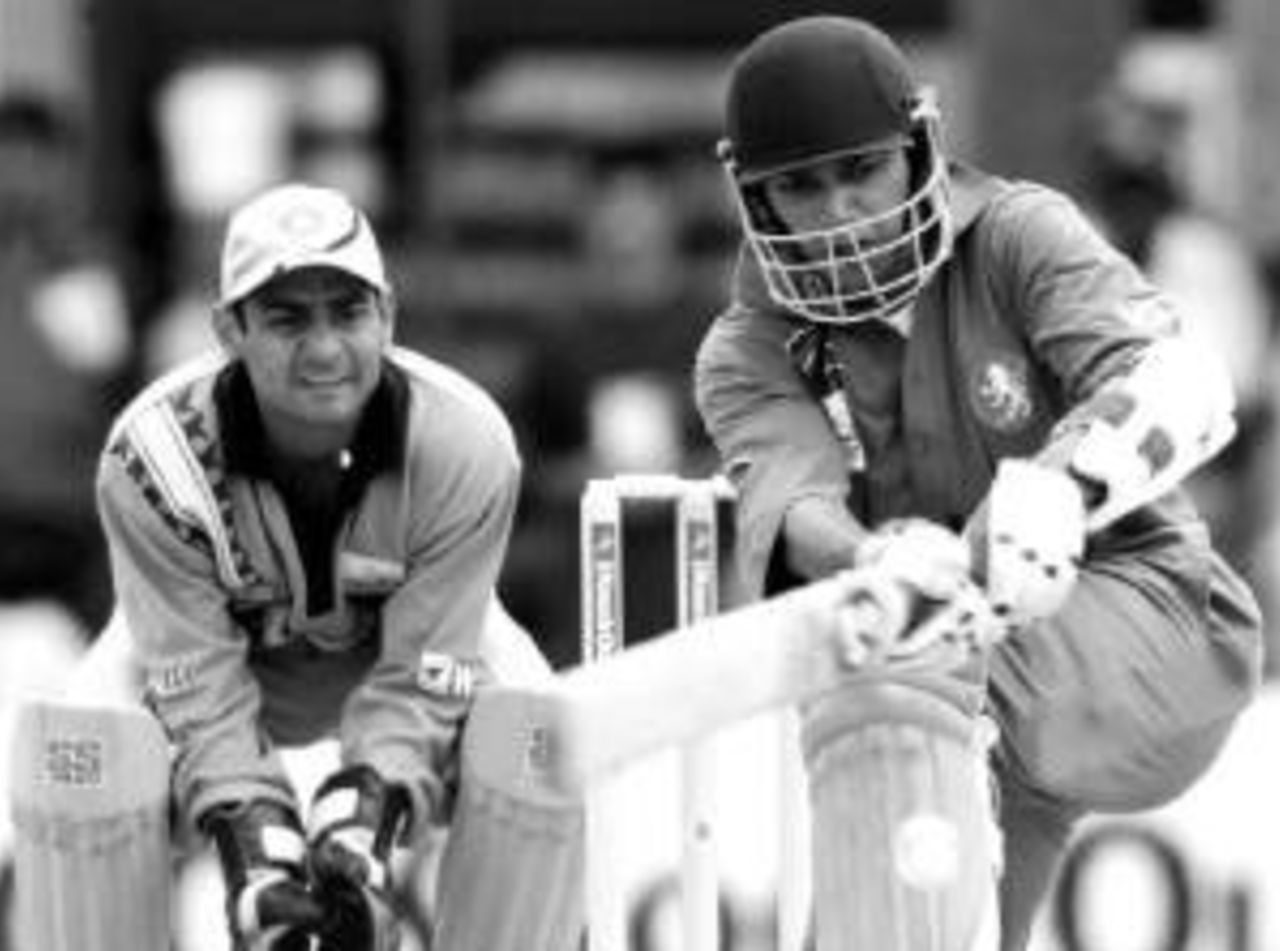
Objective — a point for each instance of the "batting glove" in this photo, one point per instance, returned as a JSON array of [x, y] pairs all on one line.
[[926, 558], [262, 851], [913, 601], [356, 820], [1028, 539]]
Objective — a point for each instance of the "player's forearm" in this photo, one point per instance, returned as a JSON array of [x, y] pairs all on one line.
[[408, 737], [199, 687], [224, 761], [820, 537]]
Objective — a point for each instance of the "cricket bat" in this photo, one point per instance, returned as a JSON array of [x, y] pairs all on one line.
[[551, 741], [530, 754], [90, 799]]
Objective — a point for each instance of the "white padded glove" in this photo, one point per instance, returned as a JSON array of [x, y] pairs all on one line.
[[1028, 538], [913, 602], [925, 558]]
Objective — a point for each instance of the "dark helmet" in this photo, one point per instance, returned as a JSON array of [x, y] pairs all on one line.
[[813, 89]]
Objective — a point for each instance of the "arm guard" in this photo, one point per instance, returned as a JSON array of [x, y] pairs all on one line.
[[1147, 430]]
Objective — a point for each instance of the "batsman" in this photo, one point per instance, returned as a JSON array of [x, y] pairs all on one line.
[[952, 375], [306, 526]]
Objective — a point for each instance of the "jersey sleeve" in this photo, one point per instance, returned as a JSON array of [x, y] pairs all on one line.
[[1148, 402], [1087, 310], [775, 441], [404, 718], [193, 658]]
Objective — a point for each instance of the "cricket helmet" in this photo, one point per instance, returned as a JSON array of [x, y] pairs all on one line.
[[819, 88]]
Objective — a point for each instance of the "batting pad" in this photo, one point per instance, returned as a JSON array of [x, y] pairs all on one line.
[[511, 877], [905, 847], [91, 828]]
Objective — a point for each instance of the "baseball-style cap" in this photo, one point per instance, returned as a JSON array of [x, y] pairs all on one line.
[[295, 226]]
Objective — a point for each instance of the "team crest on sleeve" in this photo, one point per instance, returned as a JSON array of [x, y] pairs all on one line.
[[173, 679], [445, 676], [1000, 392]]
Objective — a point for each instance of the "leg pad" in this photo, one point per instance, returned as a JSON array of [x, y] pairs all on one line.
[[91, 828], [905, 844], [511, 877]]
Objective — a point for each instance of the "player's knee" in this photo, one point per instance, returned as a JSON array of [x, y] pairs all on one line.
[[930, 754], [939, 708]]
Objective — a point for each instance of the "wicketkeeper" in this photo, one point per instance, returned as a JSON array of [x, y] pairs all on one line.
[[952, 374], [305, 529]]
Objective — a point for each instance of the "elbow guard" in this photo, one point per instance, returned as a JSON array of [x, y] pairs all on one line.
[[1144, 432]]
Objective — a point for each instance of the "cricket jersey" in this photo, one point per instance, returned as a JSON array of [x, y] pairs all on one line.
[[1031, 315], [263, 618]]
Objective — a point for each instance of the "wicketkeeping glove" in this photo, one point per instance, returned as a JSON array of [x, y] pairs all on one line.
[[356, 820], [1028, 539], [261, 847]]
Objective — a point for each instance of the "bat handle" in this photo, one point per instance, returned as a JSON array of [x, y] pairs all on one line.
[[875, 614]]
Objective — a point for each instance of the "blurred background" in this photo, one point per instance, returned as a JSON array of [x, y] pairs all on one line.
[[542, 174], [544, 180]]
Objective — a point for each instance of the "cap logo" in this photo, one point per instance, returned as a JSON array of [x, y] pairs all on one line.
[[301, 224], [292, 227]]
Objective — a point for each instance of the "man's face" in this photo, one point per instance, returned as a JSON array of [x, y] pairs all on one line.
[[839, 193], [312, 342]]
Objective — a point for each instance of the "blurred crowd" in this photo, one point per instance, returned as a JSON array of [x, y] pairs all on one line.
[[628, 244], [596, 382]]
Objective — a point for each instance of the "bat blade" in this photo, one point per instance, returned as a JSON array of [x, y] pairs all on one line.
[[553, 740]]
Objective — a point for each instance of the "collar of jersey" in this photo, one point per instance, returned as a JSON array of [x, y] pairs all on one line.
[[379, 441]]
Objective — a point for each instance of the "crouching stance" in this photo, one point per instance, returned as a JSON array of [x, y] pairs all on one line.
[[305, 531]]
